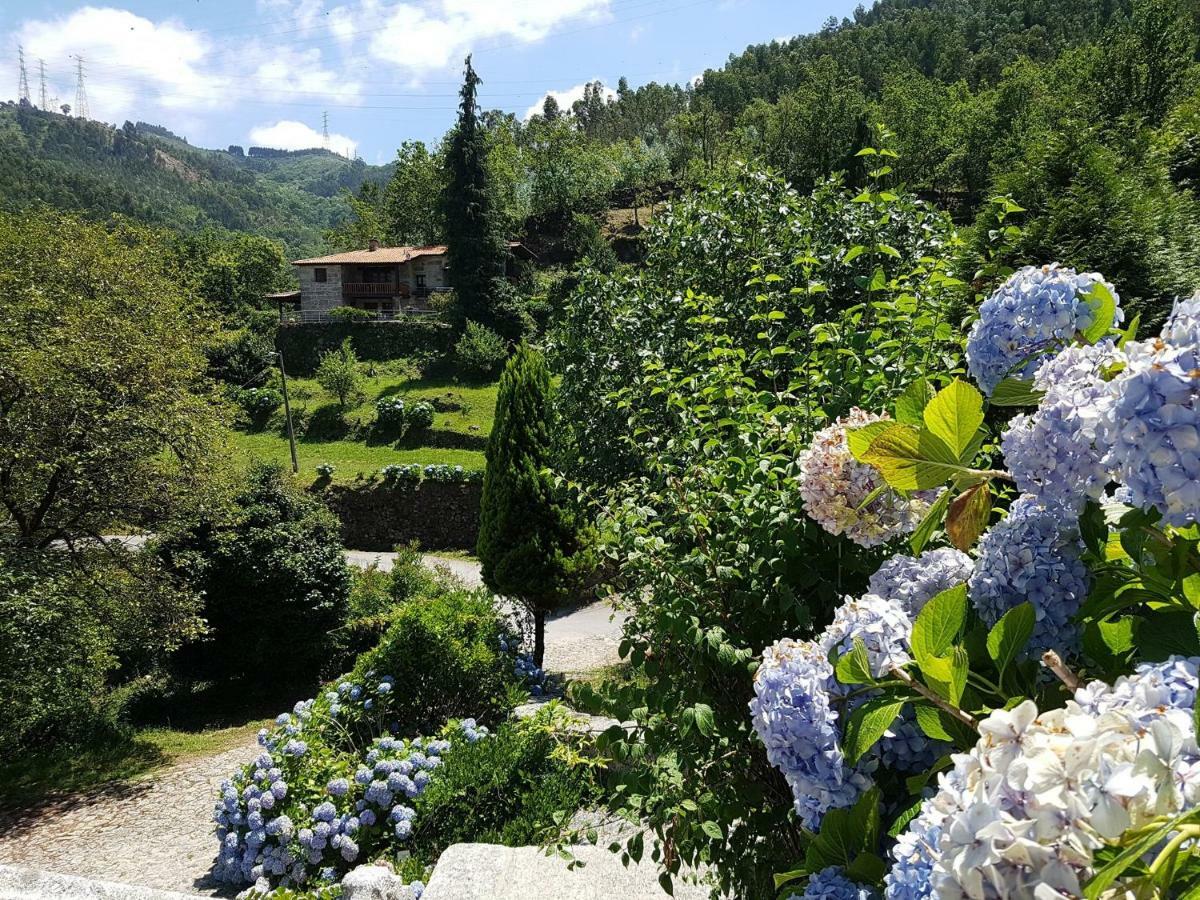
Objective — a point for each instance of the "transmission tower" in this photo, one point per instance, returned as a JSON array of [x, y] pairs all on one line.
[[23, 87], [81, 101], [42, 78], [325, 130]]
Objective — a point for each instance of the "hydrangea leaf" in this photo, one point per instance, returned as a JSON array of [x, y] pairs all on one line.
[[968, 516], [854, 667], [867, 724], [867, 868], [924, 532], [954, 416], [911, 460], [1016, 392], [930, 722], [1101, 299], [859, 439], [939, 623], [1008, 637], [910, 406]]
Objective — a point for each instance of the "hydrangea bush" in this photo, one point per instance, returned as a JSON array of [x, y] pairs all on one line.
[[971, 665], [414, 473]]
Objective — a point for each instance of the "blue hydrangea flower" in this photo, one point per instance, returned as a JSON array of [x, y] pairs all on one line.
[[909, 877], [1036, 312], [403, 829], [1154, 426], [338, 787], [1060, 453], [914, 581], [832, 884], [366, 818], [1033, 555], [324, 812]]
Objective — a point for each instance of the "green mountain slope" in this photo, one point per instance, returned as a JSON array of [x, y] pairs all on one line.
[[147, 173]]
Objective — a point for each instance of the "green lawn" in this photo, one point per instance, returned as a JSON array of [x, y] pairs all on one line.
[[346, 439]]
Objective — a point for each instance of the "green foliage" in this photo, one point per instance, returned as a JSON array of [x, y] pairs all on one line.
[[273, 578], [529, 545], [105, 414], [477, 252], [240, 358], [518, 787], [444, 652], [480, 352], [410, 201], [413, 337], [79, 637], [340, 374]]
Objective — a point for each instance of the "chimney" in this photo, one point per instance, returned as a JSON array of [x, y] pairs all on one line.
[[373, 245]]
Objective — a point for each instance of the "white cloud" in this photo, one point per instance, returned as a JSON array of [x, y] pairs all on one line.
[[288, 134], [566, 98], [437, 34]]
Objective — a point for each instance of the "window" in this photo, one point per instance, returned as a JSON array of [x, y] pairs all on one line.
[[319, 275], [420, 279]]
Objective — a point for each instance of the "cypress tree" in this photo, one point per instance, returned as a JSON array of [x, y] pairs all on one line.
[[476, 246], [528, 545]]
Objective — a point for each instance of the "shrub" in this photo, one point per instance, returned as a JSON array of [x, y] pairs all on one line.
[[480, 352], [326, 470], [350, 314], [339, 373], [390, 414], [274, 581], [410, 576], [420, 416], [240, 357], [259, 402]]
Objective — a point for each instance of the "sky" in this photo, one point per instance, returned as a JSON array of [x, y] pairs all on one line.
[[266, 72]]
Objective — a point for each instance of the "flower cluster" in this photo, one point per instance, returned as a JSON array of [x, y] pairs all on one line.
[[1154, 423], [1037, 311], [326, 470], [799, 708], [413, 473], [259, 402], [914, 581], [1033, 555], [393, 414], [273, 824], [1060, 452], [831, 884], [834, 487], [1026, 809]]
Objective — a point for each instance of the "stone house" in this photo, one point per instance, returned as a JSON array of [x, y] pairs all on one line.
[[383, 281]]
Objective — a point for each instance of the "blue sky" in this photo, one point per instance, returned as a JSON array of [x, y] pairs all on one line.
[[264, 71]]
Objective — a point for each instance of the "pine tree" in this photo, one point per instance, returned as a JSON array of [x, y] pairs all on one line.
[[476, 246], [529, 547]]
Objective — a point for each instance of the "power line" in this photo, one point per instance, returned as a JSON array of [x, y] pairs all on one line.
[[81, 100], [42, 78], [23, 84]]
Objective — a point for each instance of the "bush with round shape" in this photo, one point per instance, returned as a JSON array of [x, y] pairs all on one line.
[[274, 580], [480, 352], [259, 403], [391, 413], [420, 416]]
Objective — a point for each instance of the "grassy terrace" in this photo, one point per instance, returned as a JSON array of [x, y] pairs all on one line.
[[347, 440]]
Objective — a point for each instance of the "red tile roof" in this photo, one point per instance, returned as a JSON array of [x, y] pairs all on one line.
[[382, 255]]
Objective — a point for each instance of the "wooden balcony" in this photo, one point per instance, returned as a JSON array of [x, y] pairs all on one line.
[[365, 289]]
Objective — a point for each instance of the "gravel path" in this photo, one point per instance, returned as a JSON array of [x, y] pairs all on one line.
[[157, 831]]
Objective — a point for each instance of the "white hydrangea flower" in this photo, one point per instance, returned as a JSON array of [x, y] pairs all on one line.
[[834, 485]]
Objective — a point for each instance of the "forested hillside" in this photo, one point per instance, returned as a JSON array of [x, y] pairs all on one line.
[[151, 175]]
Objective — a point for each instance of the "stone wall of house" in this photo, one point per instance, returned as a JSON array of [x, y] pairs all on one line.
[[320, 295], [438, 515]]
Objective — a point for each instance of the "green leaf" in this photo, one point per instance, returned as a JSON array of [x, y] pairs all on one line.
[[1166, 633], [960, 666], [853, 253], [954, 416], [911, 460], [1130, 333], [939, 623], [924, 532], [910, 406], [712, 829], [867, 725], [867, 868], [782, 878], [704, 719], [854, 666], [1015, 392], [1008, 637], [859, 439], [930, 722], [968, 516], [1101, 299], [1104, 878]]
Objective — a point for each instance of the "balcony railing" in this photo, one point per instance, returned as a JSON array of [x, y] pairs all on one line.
[[316, 316], [366, 289]]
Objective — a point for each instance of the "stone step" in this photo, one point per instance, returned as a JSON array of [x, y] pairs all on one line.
[[17, 883], [494, 872]]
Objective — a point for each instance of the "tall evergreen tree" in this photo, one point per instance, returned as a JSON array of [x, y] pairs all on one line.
[[528, 545], [474, 236]]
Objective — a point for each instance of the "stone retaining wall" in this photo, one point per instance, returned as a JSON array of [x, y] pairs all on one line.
[[438, 515]]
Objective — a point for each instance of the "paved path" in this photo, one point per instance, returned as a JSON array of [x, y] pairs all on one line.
[[155, 832]]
